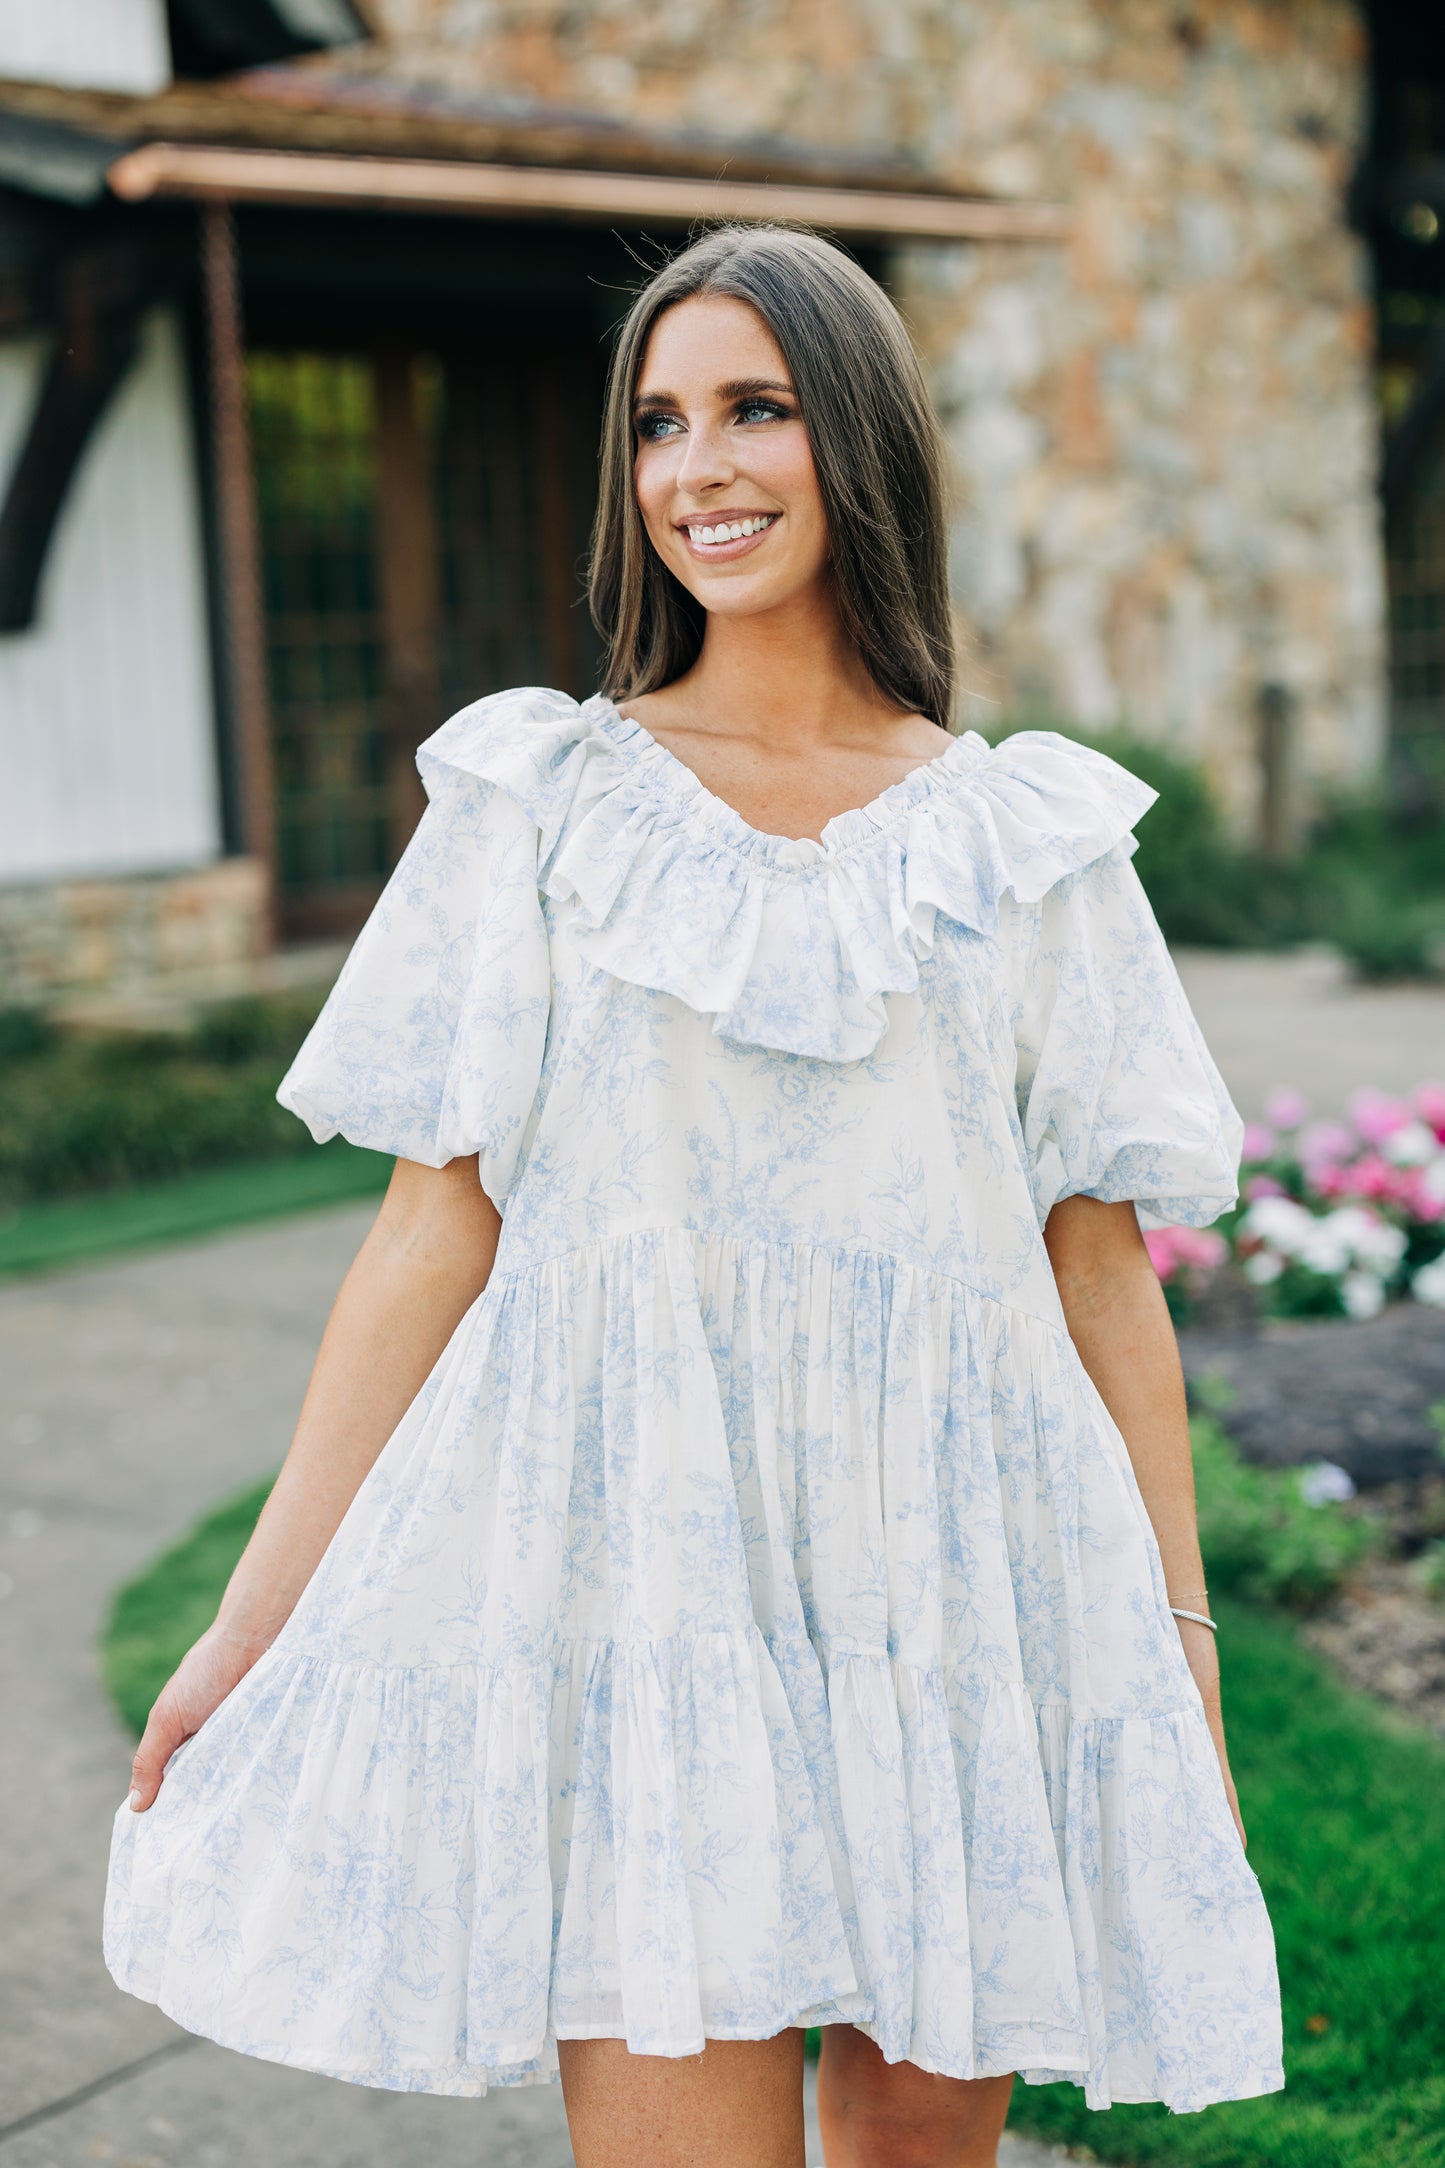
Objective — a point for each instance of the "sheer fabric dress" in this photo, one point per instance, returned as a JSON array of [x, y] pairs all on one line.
[[754, 1621]]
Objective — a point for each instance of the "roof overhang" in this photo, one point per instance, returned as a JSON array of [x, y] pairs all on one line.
[[487, 190]]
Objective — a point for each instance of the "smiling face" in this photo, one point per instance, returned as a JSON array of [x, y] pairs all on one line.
[[723, 468]]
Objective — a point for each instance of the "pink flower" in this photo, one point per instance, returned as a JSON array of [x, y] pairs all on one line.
[[1326, 1140], [1421, 1199], [1287, 1108], [1259, 1142], [1180, 1249], [1370, 1176], [1376, 1115], [1428, 1103], [1264, 1185]]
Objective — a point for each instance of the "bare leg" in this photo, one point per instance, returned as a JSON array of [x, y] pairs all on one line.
[[737, 2105], [875, 2114]]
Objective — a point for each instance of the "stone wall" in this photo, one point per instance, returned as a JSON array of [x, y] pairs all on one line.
[[1163, 431], [133, 940]]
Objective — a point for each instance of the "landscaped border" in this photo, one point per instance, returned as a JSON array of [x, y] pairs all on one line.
[[71, 1230]]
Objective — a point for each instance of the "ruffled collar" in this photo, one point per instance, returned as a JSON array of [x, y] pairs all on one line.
[[676, 784], [788, 945]]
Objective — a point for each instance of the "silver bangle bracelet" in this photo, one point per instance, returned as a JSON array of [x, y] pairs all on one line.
[[1197, 1617]]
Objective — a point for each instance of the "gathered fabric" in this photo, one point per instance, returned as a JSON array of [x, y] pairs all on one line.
[[754, 1621]]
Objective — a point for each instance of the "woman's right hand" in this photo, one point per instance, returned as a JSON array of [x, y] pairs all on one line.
[[415, 1277], [196, 1688]]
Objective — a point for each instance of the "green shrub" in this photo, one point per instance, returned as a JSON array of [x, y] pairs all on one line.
[[1370, 878], [23, 1034], [253, 1030], [1259, 1537], [1430, 1571], [86, 1112]]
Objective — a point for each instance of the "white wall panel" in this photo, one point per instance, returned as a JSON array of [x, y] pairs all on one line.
[[90, 44], [107, 739]]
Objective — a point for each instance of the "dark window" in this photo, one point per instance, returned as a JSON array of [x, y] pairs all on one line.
[[423, 520], [1399, 201]]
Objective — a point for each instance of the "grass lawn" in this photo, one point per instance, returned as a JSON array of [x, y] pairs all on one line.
[[1346, 1820], [67, 1230], [155, 1618], [1346, 1814]]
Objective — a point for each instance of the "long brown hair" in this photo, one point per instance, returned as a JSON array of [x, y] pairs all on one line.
[[877, 451]]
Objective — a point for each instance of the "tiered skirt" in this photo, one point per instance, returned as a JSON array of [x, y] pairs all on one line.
[[732, 1636]]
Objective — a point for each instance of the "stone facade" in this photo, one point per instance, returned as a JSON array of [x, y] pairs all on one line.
[[1163, 431], [93, 945]]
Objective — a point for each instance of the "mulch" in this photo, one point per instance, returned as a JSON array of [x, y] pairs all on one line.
[[1326, 1389], [1360, 1395]]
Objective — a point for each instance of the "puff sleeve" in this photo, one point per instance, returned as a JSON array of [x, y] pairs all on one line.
[[430, 1045], [1117, 1095]]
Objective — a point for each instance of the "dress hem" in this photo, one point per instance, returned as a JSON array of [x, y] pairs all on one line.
[[464, 2082]]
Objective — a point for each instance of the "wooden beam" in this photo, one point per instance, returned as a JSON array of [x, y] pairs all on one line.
[[561, 588], [95, 344], [243, 627], [408, 551], [494, 191]]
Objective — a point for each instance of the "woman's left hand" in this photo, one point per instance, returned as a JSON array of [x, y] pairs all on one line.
[[1202, 1656]]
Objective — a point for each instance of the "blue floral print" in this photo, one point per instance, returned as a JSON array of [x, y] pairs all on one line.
[[754, 1622]]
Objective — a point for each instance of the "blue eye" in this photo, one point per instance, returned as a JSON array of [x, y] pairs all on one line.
[[652, 426], [766, 410]]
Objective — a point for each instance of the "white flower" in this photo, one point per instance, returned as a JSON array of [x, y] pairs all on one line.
[[1412, 1146], [1326, 1483], [1370, 1240], [1278, 1222], [1428, 1284], [1432, 1181], [1350, 1244], [1362, 1294]]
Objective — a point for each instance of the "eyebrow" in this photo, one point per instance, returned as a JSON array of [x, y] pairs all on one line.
[[738, 387]]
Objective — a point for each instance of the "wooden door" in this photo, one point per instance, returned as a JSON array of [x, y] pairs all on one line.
[[1415, 562], [423, 522]]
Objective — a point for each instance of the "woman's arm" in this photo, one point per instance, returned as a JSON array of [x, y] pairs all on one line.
[[425, 1261], [1119, 1322]]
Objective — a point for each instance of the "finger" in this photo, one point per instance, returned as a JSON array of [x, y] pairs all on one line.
[[159, 1741]]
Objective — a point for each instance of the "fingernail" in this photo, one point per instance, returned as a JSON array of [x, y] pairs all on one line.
[[135, 1802]]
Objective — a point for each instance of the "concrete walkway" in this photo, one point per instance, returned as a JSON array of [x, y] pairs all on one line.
[[134, 1396], [1300, 1019]]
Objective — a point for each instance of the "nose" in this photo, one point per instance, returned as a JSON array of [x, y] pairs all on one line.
[[705, 460]]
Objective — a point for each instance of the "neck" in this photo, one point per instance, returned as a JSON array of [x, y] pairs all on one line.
[[790, 674]]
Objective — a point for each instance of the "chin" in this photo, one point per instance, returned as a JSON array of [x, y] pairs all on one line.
[[722, 600], [723, 597]]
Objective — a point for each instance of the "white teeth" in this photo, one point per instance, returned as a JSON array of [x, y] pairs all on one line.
[[732, 532]]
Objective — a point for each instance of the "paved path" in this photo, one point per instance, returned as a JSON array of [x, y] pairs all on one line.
[[1301, 1020], [134, 1396]]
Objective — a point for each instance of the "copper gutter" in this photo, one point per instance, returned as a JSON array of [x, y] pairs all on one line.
[[498, 191]]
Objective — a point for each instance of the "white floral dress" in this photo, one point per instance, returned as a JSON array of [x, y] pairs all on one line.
[[754, 1621]]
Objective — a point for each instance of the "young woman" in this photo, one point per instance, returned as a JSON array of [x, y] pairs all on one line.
[[736, 1567]]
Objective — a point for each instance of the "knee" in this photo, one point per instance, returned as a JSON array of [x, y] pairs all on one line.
[[893, 2115], [879, 2134]]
